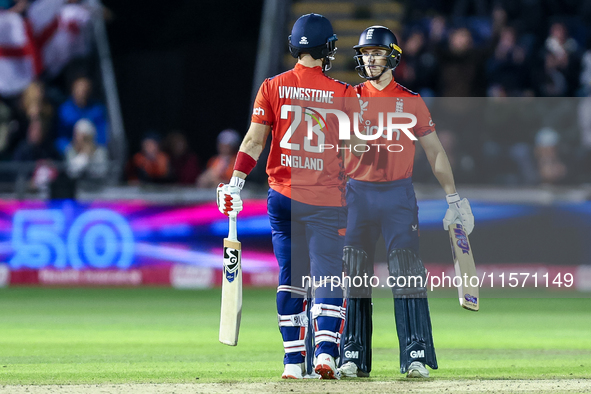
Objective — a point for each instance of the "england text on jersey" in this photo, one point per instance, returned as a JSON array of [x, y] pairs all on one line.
[[309, 163]]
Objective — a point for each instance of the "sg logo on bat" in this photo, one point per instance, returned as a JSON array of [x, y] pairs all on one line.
[[231, 259]]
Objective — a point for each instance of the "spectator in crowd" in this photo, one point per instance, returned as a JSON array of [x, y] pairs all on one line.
[[499, 18], [461, 66], [150, 165], [33, 105], [6, 127], [551, 81], [418, 67], [80, 106], [565, 52], [84, 159], [560, 43], [184, 163], [36, 146], [551, 168], [507, 65], [220, 167], [40, 151], [34, 102]]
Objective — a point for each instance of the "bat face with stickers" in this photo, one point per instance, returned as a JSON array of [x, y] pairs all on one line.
[[464, 266], [231, 310]]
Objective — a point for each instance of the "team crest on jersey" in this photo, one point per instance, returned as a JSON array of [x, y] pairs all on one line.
[[231, 258]]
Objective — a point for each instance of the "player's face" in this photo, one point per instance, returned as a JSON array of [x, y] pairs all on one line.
[[375, 60]]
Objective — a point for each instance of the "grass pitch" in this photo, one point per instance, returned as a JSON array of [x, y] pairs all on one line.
[[101, 336]]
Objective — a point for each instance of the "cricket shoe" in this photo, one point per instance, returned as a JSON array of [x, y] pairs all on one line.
[[350, 370], [312, 375], [293, 371], [326, 367], [416, 369]]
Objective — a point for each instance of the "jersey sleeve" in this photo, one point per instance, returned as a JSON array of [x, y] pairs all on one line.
[[425, 123], [352, 104], [263, 111]]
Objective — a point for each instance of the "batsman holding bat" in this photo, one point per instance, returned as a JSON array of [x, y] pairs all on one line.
[[306, 211], [381, 199]]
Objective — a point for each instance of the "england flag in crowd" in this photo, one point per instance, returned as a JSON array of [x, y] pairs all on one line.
[[46, 39], [19, 63]]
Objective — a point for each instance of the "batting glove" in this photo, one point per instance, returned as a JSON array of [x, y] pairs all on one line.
[[228, 197], [459, 210]]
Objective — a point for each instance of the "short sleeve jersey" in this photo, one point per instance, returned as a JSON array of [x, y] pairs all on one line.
[[292, 104], [391, 156]]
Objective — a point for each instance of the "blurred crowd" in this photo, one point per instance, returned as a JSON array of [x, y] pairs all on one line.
[[171, 160], [506, 54], [53, 124], [509, 51]]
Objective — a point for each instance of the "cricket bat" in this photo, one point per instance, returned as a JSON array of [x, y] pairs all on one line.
[[464, 265], [231, 310]]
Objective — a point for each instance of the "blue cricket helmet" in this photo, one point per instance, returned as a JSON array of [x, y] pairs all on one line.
[[313, 34], [379, 37]]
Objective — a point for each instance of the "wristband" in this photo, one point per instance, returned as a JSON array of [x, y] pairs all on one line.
[[452, 198], [235, 181], [244, 163]]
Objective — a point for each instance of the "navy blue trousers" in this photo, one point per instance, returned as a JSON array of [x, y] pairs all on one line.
[[389, 208], [307, 242]]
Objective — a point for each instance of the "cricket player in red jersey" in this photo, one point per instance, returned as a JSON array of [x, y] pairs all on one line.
[[381, 200], [306, 197]]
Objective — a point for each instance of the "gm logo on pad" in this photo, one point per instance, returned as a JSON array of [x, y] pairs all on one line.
[[352, 354], [417, 354]]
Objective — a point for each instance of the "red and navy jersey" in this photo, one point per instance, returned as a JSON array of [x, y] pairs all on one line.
[[391, 156], [293, 104]]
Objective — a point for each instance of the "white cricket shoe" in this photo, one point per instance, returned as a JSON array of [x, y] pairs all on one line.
[[416, 369], [348, 370], [326, 367], [293, 371]]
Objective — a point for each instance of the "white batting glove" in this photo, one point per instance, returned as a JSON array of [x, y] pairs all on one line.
[[228, 197], [458, 210]]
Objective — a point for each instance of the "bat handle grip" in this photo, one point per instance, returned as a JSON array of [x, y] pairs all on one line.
[[232, 229]]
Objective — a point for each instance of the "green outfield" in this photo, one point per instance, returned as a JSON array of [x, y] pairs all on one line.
[[73, 336]]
